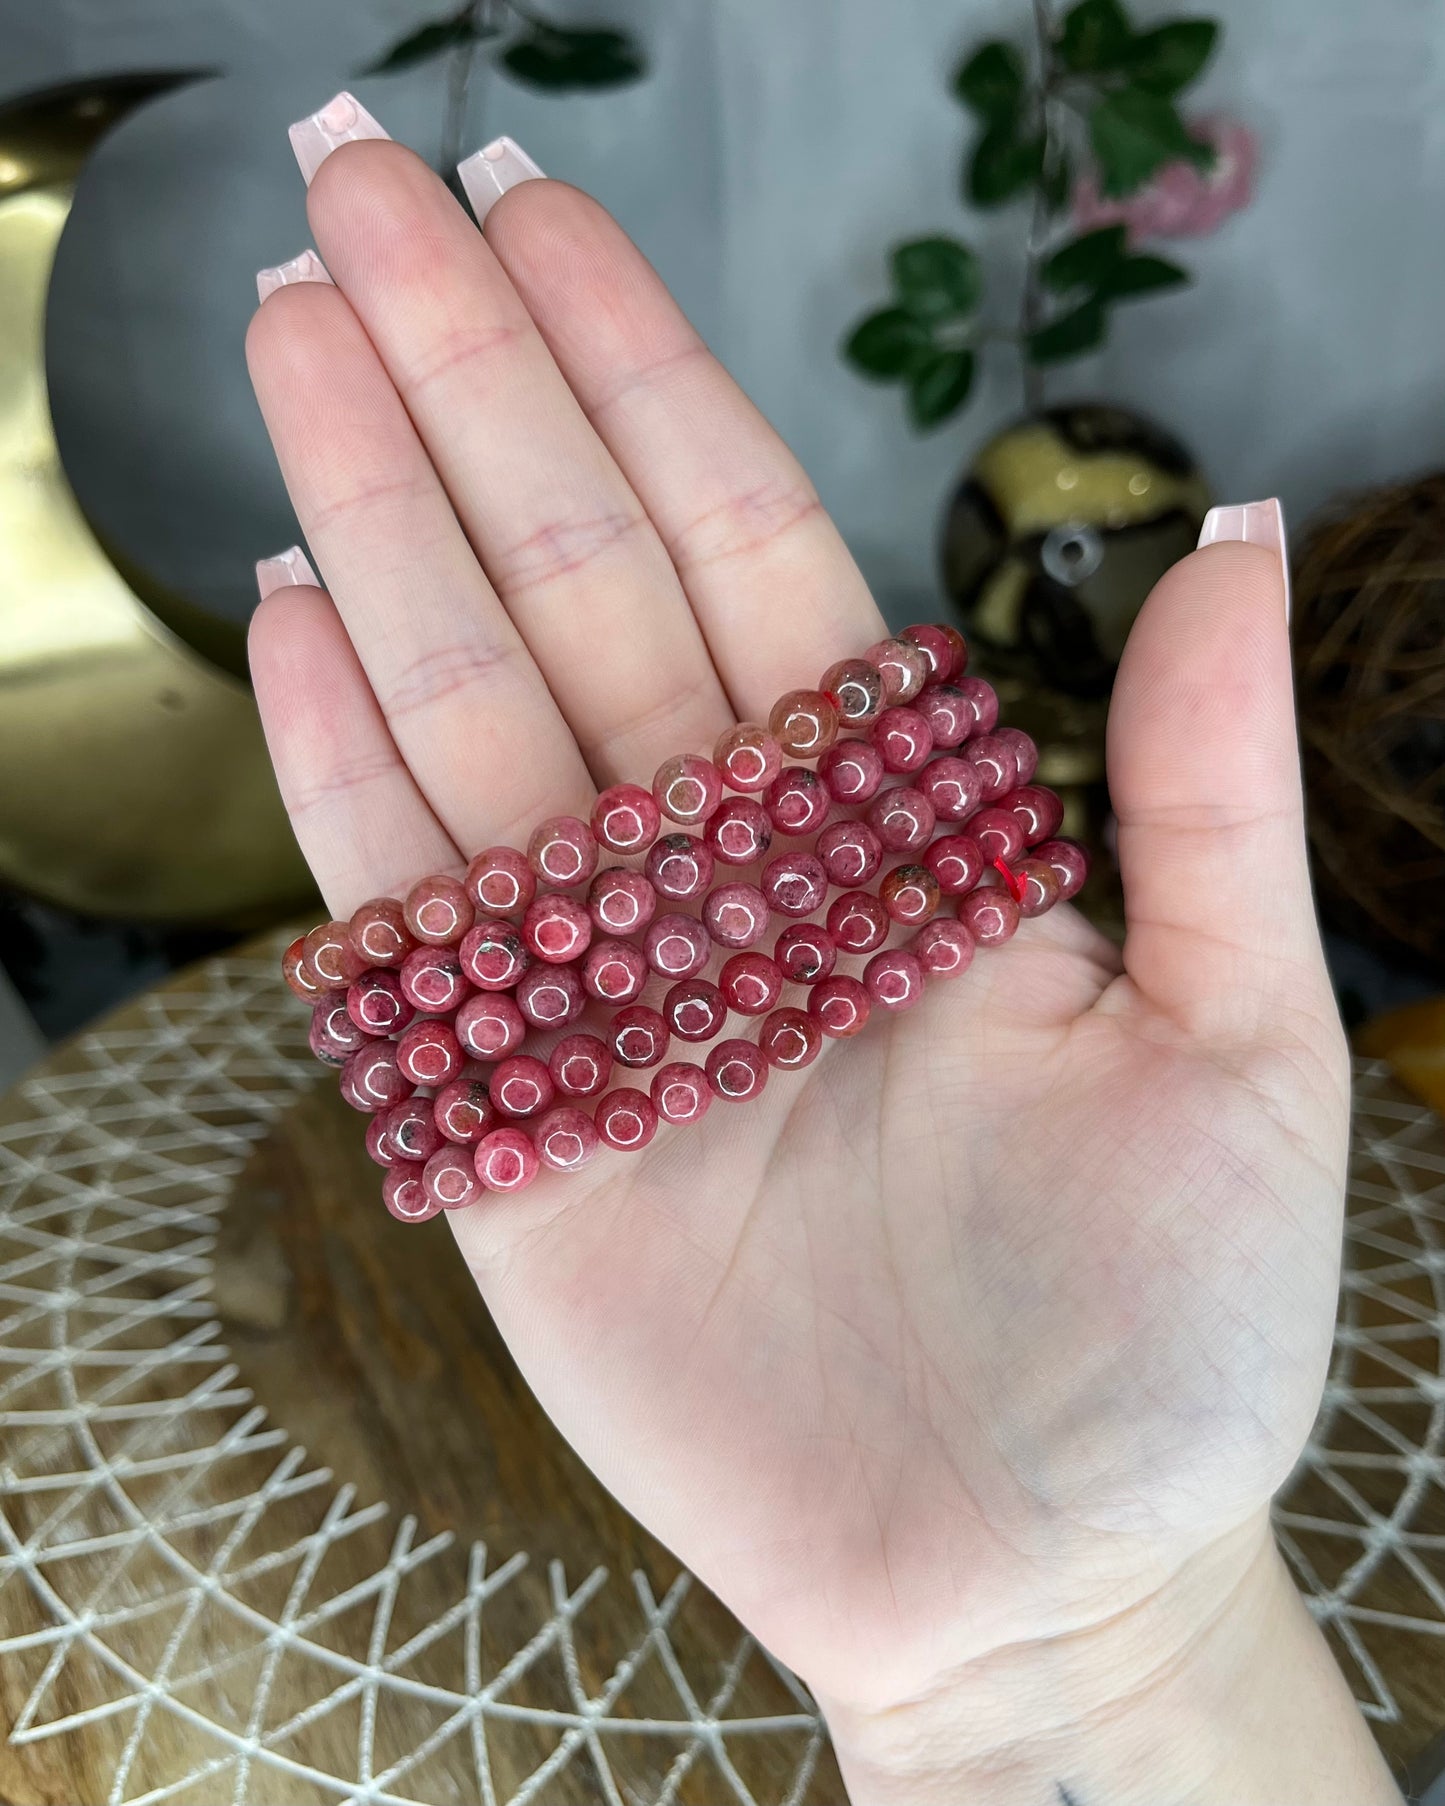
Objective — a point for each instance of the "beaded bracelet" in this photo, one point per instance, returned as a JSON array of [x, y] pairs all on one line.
[[452, 1015]]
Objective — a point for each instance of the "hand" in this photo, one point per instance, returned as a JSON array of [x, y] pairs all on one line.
[[998, 1327]]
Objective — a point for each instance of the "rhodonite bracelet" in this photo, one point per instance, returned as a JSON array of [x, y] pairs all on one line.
[[489, 1024]]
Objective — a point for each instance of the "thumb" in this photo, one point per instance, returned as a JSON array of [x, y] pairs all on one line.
[[1205, 780]]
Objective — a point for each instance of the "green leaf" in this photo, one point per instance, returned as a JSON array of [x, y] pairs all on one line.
[[939, 387], [1072, 334], [1141, 276], [1133, 134], [429, 41], [1002, 166], [937, 278], [1171, 56], [1096, 36], [887, 344], [558, 57], [991, 83], [1086, 262]]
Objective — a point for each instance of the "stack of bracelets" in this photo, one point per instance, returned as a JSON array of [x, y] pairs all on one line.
[[426, 1005]]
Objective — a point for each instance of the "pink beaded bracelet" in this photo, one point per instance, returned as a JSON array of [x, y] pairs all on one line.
[[454, 1015]]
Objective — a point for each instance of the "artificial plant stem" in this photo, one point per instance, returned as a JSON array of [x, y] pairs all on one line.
[[1031, 300]]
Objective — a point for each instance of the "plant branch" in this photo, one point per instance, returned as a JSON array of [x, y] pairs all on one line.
[[1031, 299]]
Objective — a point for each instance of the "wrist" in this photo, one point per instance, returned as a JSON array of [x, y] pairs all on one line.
[[1217, 1690]]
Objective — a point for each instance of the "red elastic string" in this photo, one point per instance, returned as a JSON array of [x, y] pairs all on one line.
[[834, 698], [1016, 886]]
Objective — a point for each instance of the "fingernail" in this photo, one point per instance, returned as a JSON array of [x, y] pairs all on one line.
[[488, 173], [290, 567], [308, 267], [339, 121], [1254, 523]]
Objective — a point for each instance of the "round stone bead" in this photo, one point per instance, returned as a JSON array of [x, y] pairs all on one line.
[[450, 1176], [438, 911], [621, 902], [903, 667], [948, 713], [894, 979], [372, 1078], [566, 1138], [748, 757], [639, 1035], [736, 1071], [991, 916], [910, 894], [557, 928], [999, 833], [1039, 811], [500, 882], [903, 738], [563, 851], [406, 1196], [680, 1092], [957, 862], [736, 915], [298, 975], [797, 801], [379, 932], [506, 1160], [494, 955], [463, 1111], [334, 1033], [551, 996], [625, 819], [626, 1120], [1025, 751], [490, 1025], [953, 786], [740, 832], [580, 1065], [858, 922], [855, 689], [695, 1009], [1038, 886], [751, 982], [412, 1130], [429, 1053], [790, 1040], [1070, 863], [680, 866], [795, 884], [943, 947], [677, 946], [851, 770], [804, 723], [377, 1004], [998, 766], [522, 1086], [378, 1142], [943, 647], [982, 698], [903, 819], [330, 959], [840, 1006], [850, 851], [614, 971], [432, 979], [805, 953], [687, 789]]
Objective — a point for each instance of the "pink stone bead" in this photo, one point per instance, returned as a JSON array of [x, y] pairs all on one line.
[[335, 1034], [521, 1086], [805, 953], [1070, 862], [851, 770], [377, 1004], [795, 884], [429, 1053], [463, 1111], [687, 789], [903, 738], [438, 910], [982, 698], [330, 959], [943, 647], [563, 851], [680, 866], [910, 894], [850, 851], [450, 1176], [991, 916], [751, 982], [551, 996], [411, 1128], [506, 1160], [740, 832], [855, 689], [948, 713], [737, 1071], [621, 902], [804, 723], [677, 946], [695, 1009], [566, 1138], [903, 819], [998, 766], [957, 862], [894, 979], [790, 1040], [680, 1092], [379, 932], [999, 833], [432, 979], [490, 1025], [625, 819], [500, 882], [298, 974], [614, 971], [797, 801], [639, 1035], [748, 757], [406, 1196], [858, 922], [1039, 811], [372, 1078], [494, 955], [557, 928], [953, 786], [1039, 887], [736, 915], [840, 1006], [903, 668], [626, 1120], [943, 947], [1025, 751], [580, 1065], [378, 1142]]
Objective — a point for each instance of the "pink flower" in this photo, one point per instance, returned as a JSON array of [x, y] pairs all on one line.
[[1180, 201]]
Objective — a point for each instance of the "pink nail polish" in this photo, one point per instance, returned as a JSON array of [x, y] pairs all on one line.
[[286, 568], [488, 173], [342, 119], [1255, 524], [307, 267]]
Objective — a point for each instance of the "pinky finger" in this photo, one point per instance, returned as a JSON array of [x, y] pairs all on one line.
[[363, 825]]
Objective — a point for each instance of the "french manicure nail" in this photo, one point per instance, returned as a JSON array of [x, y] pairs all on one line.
[[1254, 523], [308, 267], [488, 173], [286, 568], [339, 121]]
